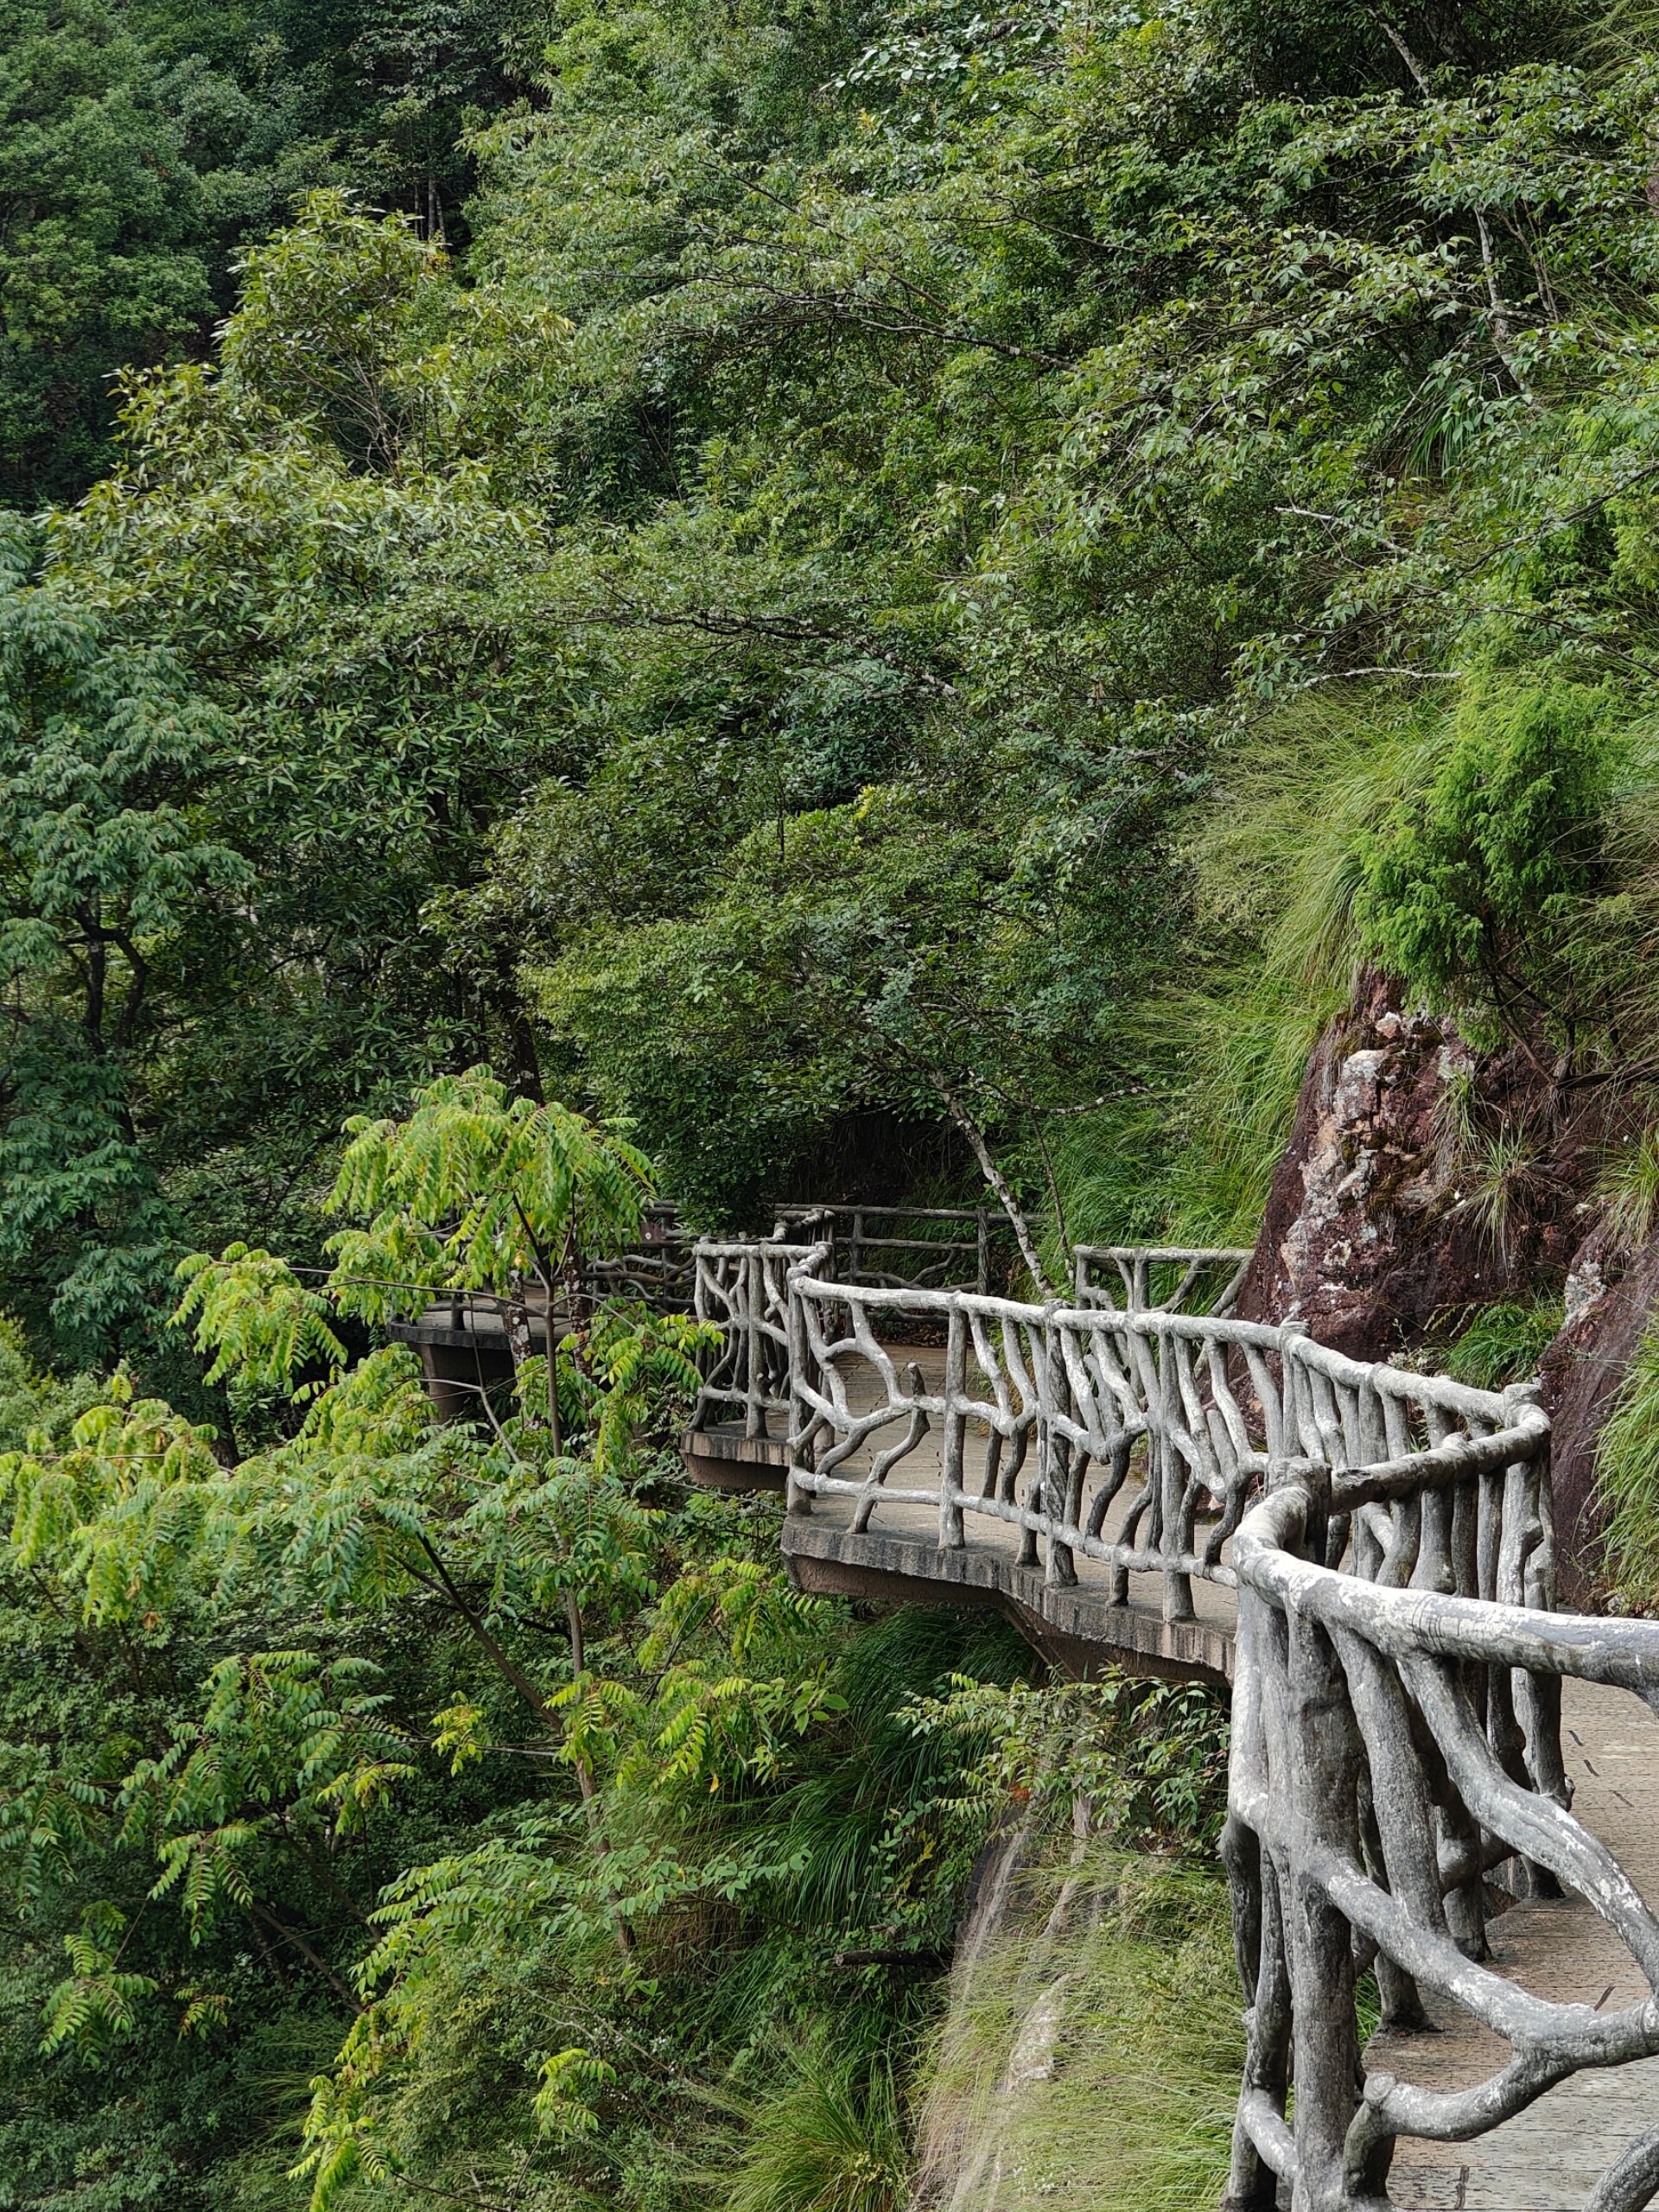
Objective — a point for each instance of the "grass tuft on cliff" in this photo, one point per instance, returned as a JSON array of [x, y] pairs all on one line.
[[827, 2135], [1272, 859], [1627, 1471], [1504, 1343], [1092, 2063]]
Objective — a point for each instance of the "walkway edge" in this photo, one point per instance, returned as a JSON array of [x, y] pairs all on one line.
[[1074, 1628]]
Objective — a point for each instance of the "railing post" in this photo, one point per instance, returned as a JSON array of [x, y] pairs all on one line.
[[1320, 1783], [1538, 1697], [1172, 1481], [754, 1415], [1258, 1909], [1291, 1386], [799, 1448], [1054, 1453], [955, 1427]]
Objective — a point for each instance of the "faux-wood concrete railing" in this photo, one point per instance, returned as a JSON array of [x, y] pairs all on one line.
[[1396, 1764]]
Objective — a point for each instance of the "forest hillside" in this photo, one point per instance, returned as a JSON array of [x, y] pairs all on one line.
[[732, 602]]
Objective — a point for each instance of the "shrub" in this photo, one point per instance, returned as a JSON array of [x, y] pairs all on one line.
[[1504, 1343], [1627, 1469], [1471, 891]]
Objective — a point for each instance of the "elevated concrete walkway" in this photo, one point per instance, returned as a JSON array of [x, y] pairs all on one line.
[[1552, 2156], [1075, 1627]]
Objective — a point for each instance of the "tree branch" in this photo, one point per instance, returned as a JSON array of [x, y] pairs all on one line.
[[999, 1183]]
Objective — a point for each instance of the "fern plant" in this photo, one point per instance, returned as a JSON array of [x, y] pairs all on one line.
[[478, 1191]]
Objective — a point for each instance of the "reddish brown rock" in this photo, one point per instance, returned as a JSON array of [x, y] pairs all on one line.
[[1373, 1234]]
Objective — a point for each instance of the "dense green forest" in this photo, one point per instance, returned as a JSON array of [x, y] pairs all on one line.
[[748, 599]]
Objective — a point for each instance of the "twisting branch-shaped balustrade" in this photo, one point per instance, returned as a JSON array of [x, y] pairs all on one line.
[[1397, 1763], [1177, 1277], [743, 1289], [1396, 1742], [1130, 1435]]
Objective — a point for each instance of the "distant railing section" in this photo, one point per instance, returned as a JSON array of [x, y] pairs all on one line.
[[1175, 1277], [464, 1337], [1136, 1437], [935, 1248], [743, 1289], [661, 1271]]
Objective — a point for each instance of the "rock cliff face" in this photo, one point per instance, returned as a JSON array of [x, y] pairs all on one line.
[[1379, 1229], [1087, 2061], [1376, 1227]]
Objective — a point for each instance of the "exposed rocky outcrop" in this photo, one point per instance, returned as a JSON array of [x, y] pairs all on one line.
[[1381, 1229], [1379, 1225]]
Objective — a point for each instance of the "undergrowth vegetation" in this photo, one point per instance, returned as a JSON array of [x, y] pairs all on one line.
[[886, 603], [471, 1806], [1117, 2019], [1504, 1343], [1627, 1472]]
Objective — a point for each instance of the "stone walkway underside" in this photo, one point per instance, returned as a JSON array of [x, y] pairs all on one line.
[[1549, 2157]]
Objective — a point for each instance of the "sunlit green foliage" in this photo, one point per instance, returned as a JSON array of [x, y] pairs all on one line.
[[424, 1747], [1483, 881]]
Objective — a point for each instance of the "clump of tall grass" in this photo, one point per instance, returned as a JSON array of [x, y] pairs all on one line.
[[1627, 1473], [1504, 1343], [1130, 2108], [1276, 854], [827, 2136], [1272, 859], [1629, 1188]]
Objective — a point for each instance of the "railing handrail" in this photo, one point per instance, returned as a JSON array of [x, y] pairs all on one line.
[[845, 1209], [1483, 1631], [1164, 1252]]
